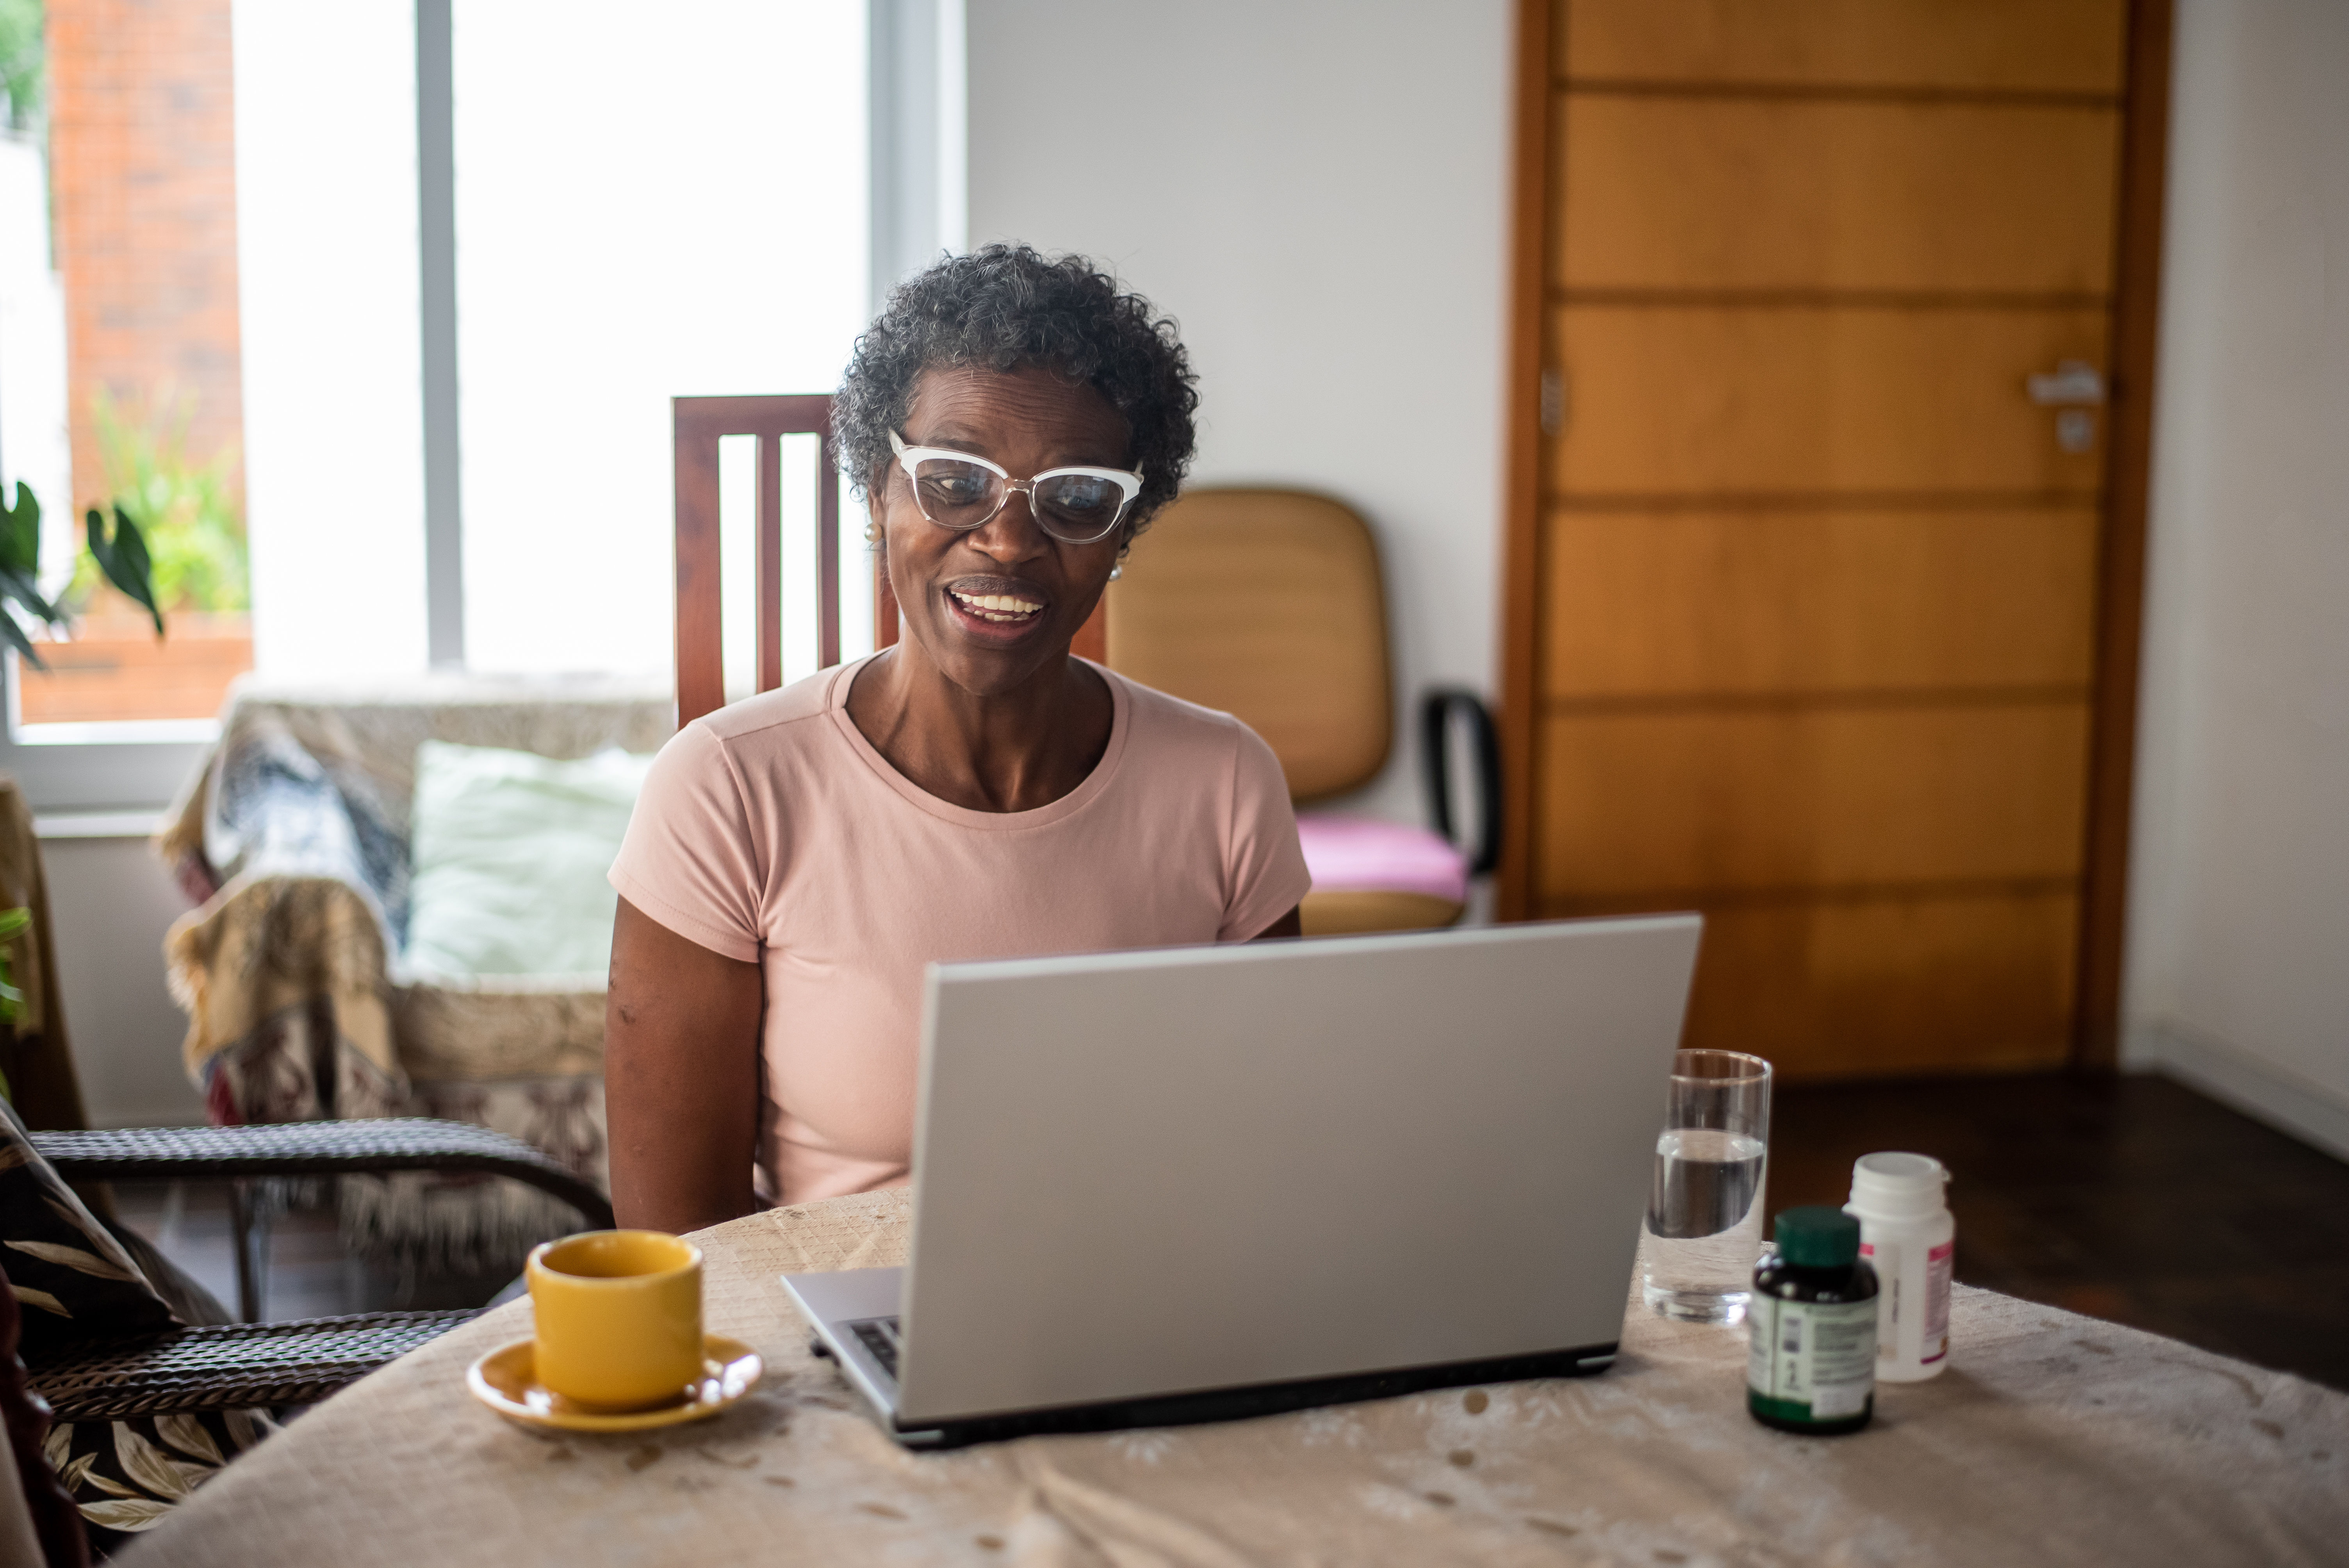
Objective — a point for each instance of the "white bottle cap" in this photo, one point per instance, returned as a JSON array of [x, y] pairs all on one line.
[[1905, 1186]]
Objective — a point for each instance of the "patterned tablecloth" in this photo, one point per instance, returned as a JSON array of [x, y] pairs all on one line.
[[2053, 1439]]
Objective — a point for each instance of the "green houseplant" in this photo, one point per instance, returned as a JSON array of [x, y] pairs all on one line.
[[13, 923], [120, 552]]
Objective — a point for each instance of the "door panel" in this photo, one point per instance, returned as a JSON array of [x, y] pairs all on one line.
[[1645, 802], [1804, 602], [2016, 45], [1754, 193], [1850, 988], [1813, 583], [1723, 401]]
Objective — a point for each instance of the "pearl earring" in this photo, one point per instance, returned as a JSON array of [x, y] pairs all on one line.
[[1116, 571]]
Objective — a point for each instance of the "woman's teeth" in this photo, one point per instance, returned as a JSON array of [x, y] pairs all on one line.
[[997, 606]]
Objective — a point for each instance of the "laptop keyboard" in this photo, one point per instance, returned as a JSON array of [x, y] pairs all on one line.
[[879, 1336]]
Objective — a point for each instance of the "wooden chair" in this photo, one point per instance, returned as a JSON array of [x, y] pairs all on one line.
[[698, 424]]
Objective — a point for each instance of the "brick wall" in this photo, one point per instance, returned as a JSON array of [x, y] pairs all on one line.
[[143, 163]]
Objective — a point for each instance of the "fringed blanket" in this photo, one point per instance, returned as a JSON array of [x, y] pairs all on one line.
[[293, 842]]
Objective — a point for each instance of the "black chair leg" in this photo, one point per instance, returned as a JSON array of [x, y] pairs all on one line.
[[250, 1220]]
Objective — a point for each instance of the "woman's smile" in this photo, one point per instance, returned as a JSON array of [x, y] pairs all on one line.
[[999, 609]]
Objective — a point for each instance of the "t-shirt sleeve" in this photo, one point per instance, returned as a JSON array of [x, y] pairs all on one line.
[[1265, 865], [688, 858]]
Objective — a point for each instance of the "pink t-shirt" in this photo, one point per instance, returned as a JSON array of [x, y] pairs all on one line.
[[774, 832]]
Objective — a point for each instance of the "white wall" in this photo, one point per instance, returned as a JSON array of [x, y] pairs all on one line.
[[111, 899], [1317, 192], [2239, 963]]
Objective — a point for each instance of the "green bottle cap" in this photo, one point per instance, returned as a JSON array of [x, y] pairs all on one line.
[[1817, 1238]]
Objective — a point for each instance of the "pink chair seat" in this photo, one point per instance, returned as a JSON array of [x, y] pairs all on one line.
[[1363, 854]]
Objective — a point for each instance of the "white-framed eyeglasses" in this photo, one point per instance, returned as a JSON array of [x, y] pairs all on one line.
[[962, 492]]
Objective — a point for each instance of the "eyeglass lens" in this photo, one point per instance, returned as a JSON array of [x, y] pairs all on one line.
[[1076, 508]]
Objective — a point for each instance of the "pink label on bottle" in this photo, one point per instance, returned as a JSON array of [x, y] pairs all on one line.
[[1941, 1263]]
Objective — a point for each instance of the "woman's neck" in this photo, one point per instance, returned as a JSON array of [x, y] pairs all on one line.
[[1013, 750]]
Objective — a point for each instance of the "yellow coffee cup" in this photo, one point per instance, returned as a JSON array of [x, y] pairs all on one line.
[[619, 1317]]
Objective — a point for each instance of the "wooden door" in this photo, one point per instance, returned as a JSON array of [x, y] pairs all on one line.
[[1820, 622]]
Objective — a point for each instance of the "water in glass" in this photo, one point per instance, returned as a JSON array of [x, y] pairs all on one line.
[[1704, 1225]]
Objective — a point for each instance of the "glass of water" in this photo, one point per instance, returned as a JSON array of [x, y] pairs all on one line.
[[1704, 1213]]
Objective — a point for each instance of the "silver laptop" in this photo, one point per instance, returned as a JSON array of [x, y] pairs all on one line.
[[1208, 1183]]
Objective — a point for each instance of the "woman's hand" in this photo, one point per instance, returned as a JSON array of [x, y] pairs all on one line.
[[680, 1077]]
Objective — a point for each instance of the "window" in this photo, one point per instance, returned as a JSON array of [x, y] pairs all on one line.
[[118, 355], [646, 203]]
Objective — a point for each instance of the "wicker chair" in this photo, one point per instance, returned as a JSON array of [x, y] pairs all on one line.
[[244, 1365]]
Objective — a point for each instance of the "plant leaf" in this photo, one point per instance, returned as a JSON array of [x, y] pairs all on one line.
[[186, 1434], [73, 1258], [13, 921], [71, 1473], [26, 589], [20, 532], [40, 1298], [124, 559], [128, 1515], [16, 637]]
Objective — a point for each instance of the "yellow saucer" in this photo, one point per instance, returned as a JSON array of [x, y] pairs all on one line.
[[506, 1381]]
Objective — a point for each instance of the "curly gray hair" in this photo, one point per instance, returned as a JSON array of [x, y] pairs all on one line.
[[1005, 307]]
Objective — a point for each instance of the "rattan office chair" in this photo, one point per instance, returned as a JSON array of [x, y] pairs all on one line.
[[243, 1365], [1271, 605]]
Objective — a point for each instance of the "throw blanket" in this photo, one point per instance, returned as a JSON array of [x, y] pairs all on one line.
[[293, 842]]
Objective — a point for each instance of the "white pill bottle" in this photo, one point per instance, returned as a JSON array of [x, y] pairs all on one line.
[[1906, 1230]]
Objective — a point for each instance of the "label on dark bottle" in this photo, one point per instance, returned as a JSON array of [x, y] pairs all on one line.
[[1813, 1360]]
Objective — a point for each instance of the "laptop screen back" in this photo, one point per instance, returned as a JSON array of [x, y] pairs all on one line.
[[1157, 1172]]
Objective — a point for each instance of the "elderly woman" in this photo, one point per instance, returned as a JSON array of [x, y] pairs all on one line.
[[974, 791]]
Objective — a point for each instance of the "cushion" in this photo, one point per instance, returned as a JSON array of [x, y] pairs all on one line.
[[69, 1275], [508, 852], [71, 1279], [125, 1476], [1364, 854], [1345, 913]]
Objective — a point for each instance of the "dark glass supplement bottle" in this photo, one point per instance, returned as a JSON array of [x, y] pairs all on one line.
[[1813, 1316]]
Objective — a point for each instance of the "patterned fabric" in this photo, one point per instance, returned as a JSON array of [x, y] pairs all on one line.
[[125, 1476], [482, 1224], [295, 840], [38, 1523], [68, 1274], [71, 1279]]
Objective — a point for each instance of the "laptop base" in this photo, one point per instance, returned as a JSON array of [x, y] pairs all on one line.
[[1262, 1399]]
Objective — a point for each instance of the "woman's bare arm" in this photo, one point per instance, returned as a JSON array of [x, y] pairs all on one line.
[[680, 1077]]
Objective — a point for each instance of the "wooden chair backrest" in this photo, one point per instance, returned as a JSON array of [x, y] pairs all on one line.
[[698, 424], [1266, 604]]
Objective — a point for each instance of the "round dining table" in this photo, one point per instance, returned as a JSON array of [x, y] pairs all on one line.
[[2052, 1439]]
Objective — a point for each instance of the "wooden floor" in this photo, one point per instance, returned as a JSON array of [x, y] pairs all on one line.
[[2132, 1199]]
